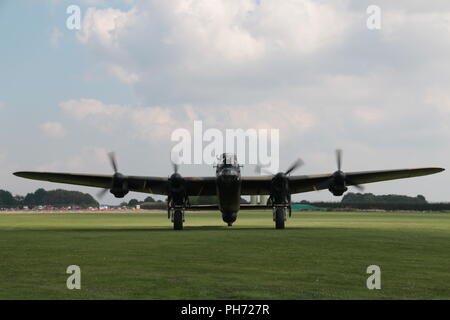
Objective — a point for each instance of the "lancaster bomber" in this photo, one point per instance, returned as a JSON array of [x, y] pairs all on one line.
[[228, 185]]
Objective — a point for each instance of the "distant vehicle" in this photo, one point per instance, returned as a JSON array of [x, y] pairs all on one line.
[[228, 185]]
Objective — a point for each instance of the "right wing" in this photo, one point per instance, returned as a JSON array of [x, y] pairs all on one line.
[[196, 186]]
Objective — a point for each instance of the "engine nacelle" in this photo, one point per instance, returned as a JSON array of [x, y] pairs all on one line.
[[338, 183], [177, 190], [279, 193], [119, 193], [119, 187], [337, 190]]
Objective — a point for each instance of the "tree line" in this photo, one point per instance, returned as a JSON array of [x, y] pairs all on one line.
[[56, 198], [390, 202], [365, 201], [150, 203]]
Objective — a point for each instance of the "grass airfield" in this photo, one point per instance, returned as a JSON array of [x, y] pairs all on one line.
[[137, 255]]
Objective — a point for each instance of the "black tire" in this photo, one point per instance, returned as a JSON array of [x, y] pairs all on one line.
[[177, 220], [279, 218]]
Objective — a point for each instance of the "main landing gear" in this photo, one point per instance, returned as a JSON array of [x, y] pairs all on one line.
[[280, 214], [177, 217]]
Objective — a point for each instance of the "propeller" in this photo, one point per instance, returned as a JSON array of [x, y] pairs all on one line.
[[102, 193], [339, 178], [175, 160], [113, 162], [297, 164], [294, 166], [175, 167], [176, 180], [357, 186], [260, 169], [339, 158], [339, 164], [280, 183], [176, 187]]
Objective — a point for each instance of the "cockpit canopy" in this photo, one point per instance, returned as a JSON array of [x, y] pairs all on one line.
[[227, 160]]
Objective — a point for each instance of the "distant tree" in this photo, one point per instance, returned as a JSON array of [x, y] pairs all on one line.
[[59, 198], [7, 200], [149, 199], [390, 202], [133, 203], [390, 198]]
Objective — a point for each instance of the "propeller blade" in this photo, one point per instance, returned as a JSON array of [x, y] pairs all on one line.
[[260, 169], [357, 186], [297, 164], [339, 158], [175, 160], [175, 167], [102, 193], [112, 159]]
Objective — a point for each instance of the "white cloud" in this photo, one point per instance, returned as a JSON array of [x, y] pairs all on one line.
[[157, 123], [88, 158], [85, 108], [53, 129], [189, 44], [369, 115], [104, 26], [300, 65], [124, 75], [147, 123]]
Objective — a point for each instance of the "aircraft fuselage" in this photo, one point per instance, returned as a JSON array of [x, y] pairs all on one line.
[[228, 184]]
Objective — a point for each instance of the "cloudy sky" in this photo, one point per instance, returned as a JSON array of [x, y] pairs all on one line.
[[137, 70]]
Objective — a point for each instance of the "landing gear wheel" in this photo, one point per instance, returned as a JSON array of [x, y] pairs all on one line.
[[280, 216], [177, 220]]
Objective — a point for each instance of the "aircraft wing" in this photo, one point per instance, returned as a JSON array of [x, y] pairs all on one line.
[[196, 186], [306, 183], [206, 186]]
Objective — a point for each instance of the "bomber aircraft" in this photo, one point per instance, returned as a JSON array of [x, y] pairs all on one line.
[[228, 185]]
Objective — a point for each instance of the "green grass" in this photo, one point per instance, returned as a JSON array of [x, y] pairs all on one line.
[[138, 256]]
